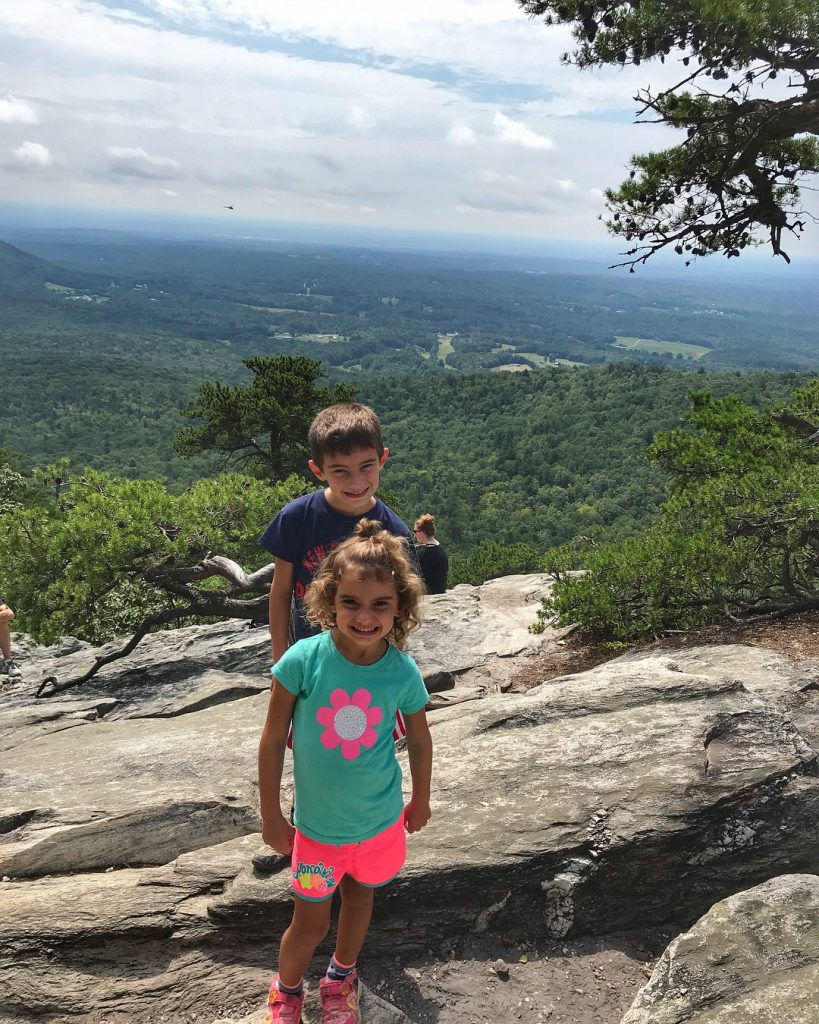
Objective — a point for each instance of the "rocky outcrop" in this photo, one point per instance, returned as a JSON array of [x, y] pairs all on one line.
[[165, 761], [641, 791], [752, 959]]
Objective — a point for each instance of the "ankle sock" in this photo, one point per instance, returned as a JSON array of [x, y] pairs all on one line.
[[337, 971], [295, 990]]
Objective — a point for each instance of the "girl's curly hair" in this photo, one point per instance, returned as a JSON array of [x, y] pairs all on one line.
[[370, 552]]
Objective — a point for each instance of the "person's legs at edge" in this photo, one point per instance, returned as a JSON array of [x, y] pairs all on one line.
[[310, 924], [5, 639], [339, 988], [7, 664]]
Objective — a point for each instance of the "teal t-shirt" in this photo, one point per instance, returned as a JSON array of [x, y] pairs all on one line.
[[347, 779]]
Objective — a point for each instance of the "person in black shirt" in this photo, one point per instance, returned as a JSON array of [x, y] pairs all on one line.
[[431, 556]]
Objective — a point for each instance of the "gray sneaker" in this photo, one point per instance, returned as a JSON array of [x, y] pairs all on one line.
[[270, 862], [8, 667]]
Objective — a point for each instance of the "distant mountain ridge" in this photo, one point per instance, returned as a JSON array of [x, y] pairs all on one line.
[[23, 271], [16, 262]]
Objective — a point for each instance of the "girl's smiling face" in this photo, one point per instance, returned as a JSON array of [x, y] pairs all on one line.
[[365, 611]]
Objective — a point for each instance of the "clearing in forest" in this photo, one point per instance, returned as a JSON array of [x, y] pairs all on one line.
[[272, 309], [322, 339], [655, 345], [445, 346]]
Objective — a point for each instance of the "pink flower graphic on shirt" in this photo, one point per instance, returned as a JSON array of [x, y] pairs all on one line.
[[349, 722]]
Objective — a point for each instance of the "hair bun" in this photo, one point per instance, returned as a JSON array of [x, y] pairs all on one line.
[[368, 528]]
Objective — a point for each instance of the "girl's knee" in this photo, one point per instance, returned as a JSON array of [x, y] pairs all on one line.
[[312, 920]]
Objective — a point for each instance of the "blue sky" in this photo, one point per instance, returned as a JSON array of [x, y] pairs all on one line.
[[446, 115]]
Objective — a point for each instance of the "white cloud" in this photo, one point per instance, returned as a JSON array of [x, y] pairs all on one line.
[[500, 192], [518, 134], [461, 134], [14, 111], [134, 162], [504, 180], [33, 155], [360, 119]]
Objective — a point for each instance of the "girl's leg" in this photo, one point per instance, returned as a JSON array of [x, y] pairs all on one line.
[[354, 919], [310, 924]]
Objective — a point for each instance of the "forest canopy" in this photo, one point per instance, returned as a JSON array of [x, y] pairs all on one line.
[[738, 536]]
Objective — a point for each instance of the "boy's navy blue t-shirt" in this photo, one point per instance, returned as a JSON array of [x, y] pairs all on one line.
[[306, 531]]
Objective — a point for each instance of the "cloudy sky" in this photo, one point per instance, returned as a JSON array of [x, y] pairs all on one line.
[[451, 115]]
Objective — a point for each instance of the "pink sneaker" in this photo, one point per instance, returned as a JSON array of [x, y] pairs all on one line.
[[283, 1007], [339, 1000]]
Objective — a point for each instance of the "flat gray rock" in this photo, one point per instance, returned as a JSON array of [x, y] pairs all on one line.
[[791, 687], [752, 959], [131, 792]]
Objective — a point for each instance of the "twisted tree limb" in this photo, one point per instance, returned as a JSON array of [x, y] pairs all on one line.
[[195, 603]]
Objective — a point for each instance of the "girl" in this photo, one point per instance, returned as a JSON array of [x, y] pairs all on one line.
[[341, 689]]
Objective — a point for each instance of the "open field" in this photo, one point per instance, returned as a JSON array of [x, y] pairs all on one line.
[[535, 357], [322, 339], [445, 346], [656, 345], [271, 309]]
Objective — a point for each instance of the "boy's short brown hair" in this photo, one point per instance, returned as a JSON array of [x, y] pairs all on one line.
[[344, 427]]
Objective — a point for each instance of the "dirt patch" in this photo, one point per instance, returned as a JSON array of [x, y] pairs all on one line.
[[483, 978], [587, 981], [564, 657], [797, 637]]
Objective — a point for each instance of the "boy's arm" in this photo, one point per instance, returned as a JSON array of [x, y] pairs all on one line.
[[419, 747], [276, 829], [281, 595]]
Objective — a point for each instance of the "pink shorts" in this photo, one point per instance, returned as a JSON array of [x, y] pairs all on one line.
[[317, 868]]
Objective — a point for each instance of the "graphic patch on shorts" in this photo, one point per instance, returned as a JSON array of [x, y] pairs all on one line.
[[315, 877]]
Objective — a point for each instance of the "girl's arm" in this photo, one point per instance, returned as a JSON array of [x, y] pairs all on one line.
[[276, 829], [419, 748]]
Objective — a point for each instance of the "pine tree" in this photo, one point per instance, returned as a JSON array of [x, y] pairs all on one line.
[[262, 426], [734, 181]]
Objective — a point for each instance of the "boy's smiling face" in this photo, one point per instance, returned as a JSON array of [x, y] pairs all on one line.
[[352, 479]]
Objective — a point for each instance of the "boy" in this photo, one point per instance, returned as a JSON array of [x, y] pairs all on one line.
[[348, 455], [8, 667]]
